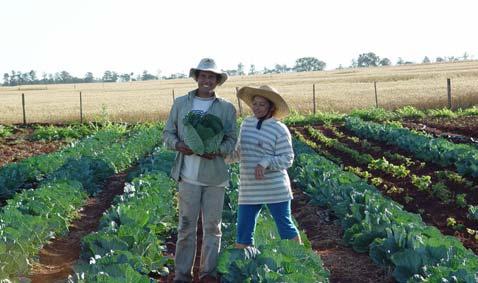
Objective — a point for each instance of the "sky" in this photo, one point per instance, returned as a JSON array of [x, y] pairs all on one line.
[[166, 37]]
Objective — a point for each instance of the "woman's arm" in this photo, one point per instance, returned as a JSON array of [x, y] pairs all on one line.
[[284, 153]]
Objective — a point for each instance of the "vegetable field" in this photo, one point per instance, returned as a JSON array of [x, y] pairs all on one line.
[[379, 197]]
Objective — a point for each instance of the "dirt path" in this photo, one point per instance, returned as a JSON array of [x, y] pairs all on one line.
[[57, 258], [325, 234]]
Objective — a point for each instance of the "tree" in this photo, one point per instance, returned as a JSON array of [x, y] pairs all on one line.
[[6, 79], [240, 69], [426, 60], [385, 62], [439, 59], [89, 78], [368, 60], [308, 64], [125, 77], [107, 76], [33, 76], [146, 76], [65, 77], [400, 61], [252, 70], [282, 68]]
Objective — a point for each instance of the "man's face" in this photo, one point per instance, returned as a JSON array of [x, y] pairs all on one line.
[[207, 81]]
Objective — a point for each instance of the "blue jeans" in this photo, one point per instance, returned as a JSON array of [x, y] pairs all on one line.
[[247, 219]]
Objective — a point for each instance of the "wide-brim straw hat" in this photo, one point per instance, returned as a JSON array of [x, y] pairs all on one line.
[[208, 65], [247, 94]]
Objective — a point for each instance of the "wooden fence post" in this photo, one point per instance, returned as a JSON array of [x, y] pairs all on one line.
[[448, 87], [376, 96], [24, 113], [174, 98], [81, 109], [313, 93], [239, 102]]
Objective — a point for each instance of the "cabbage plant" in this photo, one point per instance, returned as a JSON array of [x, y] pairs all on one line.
[[203, 133]]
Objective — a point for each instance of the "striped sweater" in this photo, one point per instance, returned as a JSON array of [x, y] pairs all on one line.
[[271, 147]]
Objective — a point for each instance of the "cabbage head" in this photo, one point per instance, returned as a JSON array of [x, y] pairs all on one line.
[[203, 133]]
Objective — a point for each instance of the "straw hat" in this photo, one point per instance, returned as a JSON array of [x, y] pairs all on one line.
[[247, 93], [208, 65]]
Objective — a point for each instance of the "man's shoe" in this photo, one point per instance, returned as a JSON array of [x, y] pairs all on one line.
[[209, 279]]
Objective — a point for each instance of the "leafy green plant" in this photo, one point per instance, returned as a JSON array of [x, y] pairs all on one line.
[[377, 181], [421, 182], [461, 200], [473, 212], [359, 172], [294, 118], [203, 133], [444, 112], [410, 112], [5, 131], [52, 132], [373, 114], [441, 191], [454, 177], [398, 171], [473, 111]]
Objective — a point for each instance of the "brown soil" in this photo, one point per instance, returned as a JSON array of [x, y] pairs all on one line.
[[433, 211], [18, 147], [466, 125], [56, 259], [443, 133], [325, 234]]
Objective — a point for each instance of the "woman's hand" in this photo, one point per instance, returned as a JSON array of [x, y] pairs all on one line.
[[183, 148], [259, 172]]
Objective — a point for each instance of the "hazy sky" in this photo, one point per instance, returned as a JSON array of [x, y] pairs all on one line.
[[172, 36]]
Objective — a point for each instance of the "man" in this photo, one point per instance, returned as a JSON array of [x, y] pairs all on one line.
[[202, 179]]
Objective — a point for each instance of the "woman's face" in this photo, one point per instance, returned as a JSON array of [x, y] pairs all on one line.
[[260, 106]]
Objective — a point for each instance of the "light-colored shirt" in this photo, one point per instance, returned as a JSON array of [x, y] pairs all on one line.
[[270, 147], [190, 169]]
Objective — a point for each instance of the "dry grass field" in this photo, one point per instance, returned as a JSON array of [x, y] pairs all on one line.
[[422, 86]]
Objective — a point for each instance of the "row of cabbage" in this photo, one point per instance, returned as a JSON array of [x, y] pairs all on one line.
[[129, 245], [375, 224], [437, 150], [33, 217], [19, 175], [133, 233]]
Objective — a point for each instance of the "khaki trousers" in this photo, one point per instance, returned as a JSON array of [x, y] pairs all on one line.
[[194, 199]]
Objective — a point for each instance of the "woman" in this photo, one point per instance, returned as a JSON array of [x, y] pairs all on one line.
[[265, 152]]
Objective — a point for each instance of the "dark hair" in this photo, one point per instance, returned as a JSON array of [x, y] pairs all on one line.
[[218, 76]]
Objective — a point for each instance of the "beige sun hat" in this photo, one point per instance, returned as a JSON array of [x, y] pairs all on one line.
[[208, 65], [247, 93]]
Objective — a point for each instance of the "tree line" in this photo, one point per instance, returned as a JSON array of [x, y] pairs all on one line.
[[304, 64]]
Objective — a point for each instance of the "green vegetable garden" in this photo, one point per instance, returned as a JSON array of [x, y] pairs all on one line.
[[404, 196]]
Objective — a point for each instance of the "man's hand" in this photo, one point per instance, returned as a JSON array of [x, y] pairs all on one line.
[[259, 172], [183, 148], [209, 156]]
